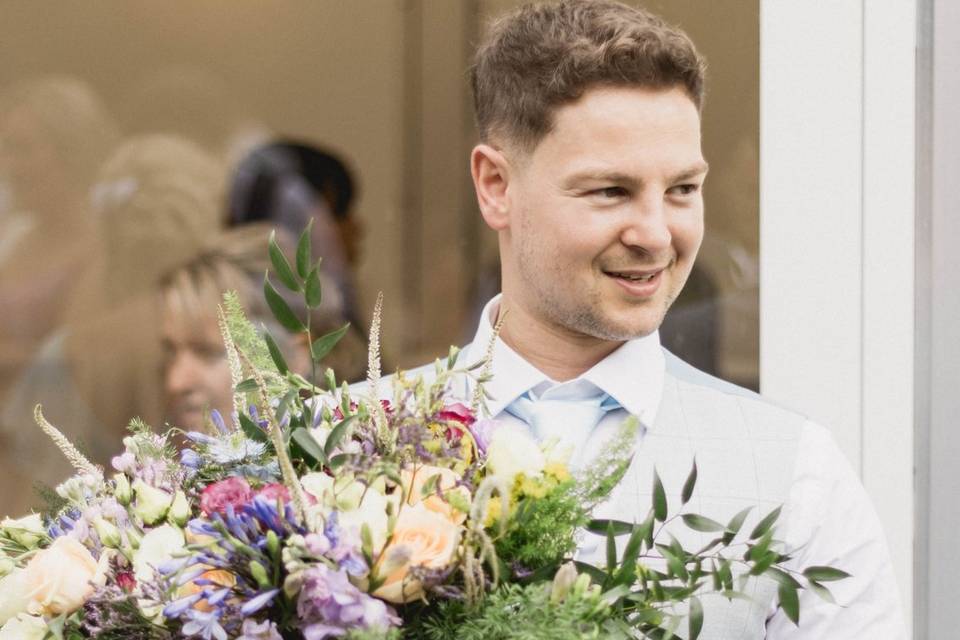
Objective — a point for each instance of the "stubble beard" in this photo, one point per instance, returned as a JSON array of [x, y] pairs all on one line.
[[580, 313]]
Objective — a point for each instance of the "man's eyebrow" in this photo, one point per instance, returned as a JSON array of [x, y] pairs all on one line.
[[618, 177], [697, 170]]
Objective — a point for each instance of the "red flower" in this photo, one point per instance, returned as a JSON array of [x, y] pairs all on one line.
[[126, 581], [273, 491], [232, 491]]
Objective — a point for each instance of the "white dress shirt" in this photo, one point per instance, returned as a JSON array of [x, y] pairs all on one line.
[[828, 517]]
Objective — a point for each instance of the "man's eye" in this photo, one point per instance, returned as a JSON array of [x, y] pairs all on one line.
[[685, 189], [610, 192]]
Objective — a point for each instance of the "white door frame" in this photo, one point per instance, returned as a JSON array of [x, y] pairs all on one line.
[[837, 215]]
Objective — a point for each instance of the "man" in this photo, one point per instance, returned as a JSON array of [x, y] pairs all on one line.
[[591, 173]]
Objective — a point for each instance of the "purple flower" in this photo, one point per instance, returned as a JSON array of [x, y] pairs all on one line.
[[125, 462], [265, 630], [205, 624], [329, 605], [482, 431], [190, 459]]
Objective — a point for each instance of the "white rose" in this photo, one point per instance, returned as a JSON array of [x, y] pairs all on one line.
[[512, 452], [372, 512], [319, 485], [157, 546], [13, 595], [24, 627], [27, 530]]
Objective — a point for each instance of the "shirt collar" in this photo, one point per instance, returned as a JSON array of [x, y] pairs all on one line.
[[633, 374]]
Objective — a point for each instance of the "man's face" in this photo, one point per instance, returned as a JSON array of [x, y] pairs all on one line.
[[196, 374], [606, 214]]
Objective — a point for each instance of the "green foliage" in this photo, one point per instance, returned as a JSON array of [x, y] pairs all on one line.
[[541, 532], [245, 336], [374, 634], [516, 612]]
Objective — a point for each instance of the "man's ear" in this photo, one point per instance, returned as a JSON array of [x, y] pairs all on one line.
[[491, 175]]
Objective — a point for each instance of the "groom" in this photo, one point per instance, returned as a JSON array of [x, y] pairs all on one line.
[[590, 171]]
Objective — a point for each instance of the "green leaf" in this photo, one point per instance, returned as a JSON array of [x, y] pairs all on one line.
[[790, 603], [337, 434], [611, 550], [313, 292], [596, 574], [696, 618], [674, 563], [324, 344], [821, 591], [701, 523], [782, 577], [309, 445], [252, 430], [659, 498], [630, 553], [689, 484], [734, 526], [601, 527], [248, 386], [337, 461], [281, 311], [281, 266], [303, 251], [764, 525], [824, 574], [275, 353]]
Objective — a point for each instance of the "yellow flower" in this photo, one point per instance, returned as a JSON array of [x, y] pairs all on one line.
[[558, 470], [422, 537], [494, 511]]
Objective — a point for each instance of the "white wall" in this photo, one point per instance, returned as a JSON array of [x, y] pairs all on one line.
[[836, 236]]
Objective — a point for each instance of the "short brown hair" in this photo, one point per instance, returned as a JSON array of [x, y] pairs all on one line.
[[545, 55]]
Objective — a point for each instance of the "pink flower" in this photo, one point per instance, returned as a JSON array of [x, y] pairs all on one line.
[[126, 581], [232, 491], [273, 491], [459, 413]]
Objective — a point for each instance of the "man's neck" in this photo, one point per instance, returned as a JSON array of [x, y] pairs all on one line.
[[560, 354]]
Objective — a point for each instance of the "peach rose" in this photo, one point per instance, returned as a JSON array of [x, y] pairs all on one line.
[[414, 480], [421, 537], [60, 578]]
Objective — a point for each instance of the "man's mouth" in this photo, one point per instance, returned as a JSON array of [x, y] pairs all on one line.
[[633, 276]]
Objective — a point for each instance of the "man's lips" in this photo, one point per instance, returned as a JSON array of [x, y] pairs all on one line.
[[638, 283]]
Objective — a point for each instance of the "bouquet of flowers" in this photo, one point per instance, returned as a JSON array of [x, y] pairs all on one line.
[[392, 509]]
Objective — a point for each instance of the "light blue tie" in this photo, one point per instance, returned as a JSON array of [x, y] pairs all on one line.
[[568, 422]]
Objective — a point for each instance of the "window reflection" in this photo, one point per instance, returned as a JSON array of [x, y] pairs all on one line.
[[145, 152]]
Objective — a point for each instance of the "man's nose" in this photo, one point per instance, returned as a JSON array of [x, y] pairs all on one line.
[[646, 226]]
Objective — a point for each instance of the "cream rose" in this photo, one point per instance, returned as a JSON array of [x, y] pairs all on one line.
[[512, 452], [24, 627], [415, 479], [157, 546], [60, 578], [421, 537]]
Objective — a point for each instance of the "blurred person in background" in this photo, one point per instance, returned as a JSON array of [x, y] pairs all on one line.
[[288, 184], [54, 135], [196, 374], [157, 203]]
